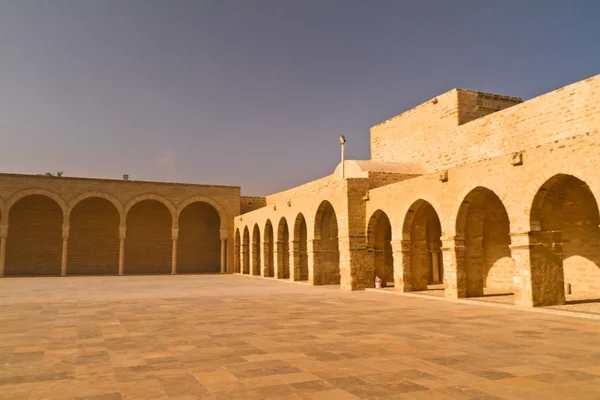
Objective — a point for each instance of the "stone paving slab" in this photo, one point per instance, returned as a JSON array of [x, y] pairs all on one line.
[[234, 337]]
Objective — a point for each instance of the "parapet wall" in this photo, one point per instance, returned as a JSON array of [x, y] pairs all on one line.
[[461, 127]]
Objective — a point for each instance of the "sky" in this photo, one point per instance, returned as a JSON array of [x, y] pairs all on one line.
[[254, 93]]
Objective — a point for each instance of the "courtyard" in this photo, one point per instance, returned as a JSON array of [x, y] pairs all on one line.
[[237, 337]]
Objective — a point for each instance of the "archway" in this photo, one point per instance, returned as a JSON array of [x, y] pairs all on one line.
[[269, 248], [34, 241], [483, 223], [300, 264], [149, 244], [423, 232], [326, 268], [246, 252], [237, 265], [566, 237], [199, 242], [380, 239], [256, 250], [283, 250], [94, 238]]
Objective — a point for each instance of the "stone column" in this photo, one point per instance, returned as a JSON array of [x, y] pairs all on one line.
[[65, 247], [356, 271], [3, 236], [264, 261], [174, 236], [277, 260], [453, 252], [224, 234], [402, 272], [294, 260], [312, 250], [244, 260], [122, 232]]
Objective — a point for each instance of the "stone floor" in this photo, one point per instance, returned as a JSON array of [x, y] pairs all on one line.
[[238, 337]]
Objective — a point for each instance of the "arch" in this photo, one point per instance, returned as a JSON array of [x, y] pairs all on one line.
[[93, 236], [421, 234], [255, 267], [565, 234], [199, 238], [38, 191], [83, 196], [237, 246], [35, 237], [326, 260], [151, 196], [204, 199], [246, 251], [283, 249], [483, 223], [379, 236], [149, 242], [268, 250], [300, 249]]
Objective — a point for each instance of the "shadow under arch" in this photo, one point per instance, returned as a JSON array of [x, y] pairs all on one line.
[[299, 250], [283, 249], [326, 260], [379, 235], [246, 251]]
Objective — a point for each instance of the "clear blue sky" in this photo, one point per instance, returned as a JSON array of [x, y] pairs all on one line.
[[255, 92]]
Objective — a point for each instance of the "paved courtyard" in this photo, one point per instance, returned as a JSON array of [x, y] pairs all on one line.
[[237, 337]]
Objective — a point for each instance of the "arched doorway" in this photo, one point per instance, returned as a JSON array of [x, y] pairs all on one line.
[[246, 252], [380, 240], [149, 244], [283, 250], [94, 238], [256, 250], [483, 223], [34, 241], [237, 251], [269, 248], [300, 264], [423, 232], [566, 237], [199, 242], [326, 268]]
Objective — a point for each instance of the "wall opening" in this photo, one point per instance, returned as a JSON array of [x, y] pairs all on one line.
[[565, 228], [269, 248], [283, 250], [422, 231], [483, 223], [380, 241], [94, 238], [34, 241], [199, 243], [300, 249], [246, 252], [256, 250], [237, 263], [326, 268], [149, 244]]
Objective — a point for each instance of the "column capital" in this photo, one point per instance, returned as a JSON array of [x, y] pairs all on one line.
[[224, 234], [456, 242], [65, 231], [520, 240], [175, 233]]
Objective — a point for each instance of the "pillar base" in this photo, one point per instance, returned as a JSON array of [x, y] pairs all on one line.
[[63, 274]]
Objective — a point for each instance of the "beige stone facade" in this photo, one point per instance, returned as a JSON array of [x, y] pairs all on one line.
[[470, 189]]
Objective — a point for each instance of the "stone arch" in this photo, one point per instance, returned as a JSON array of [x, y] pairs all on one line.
[[151, 196], [246, 251], [379, 237], [268, 250], [326, 260], [35, 235], [283, 249], [93, 235], [204, 199], [300, 249], [255, 267], [237, 247], [198, 238], [38, 191], [483, 224], [421, 235], [83, 196], [149, 243], [565, 234]]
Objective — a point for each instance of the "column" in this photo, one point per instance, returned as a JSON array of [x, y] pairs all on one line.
[[174, 236], [277, 261], [3, 236], [223, 256], [453, 253], [294, 260], [65, 246], [122, 232], [313, 261], [356, 271], [245, 259], [264, 261], [402, 272]]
